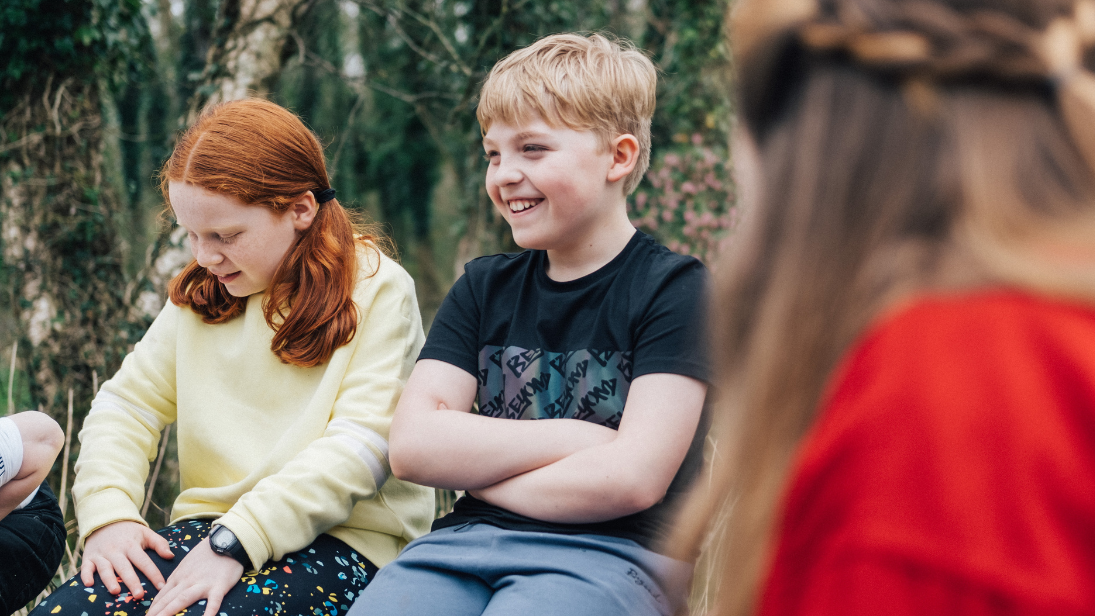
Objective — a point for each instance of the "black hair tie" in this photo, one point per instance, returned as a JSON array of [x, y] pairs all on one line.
[[324, 195]]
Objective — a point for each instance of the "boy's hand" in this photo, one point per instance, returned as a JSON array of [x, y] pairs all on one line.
[[115, 549], [203, 574]]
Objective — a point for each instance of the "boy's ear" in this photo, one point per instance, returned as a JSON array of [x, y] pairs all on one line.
[[625, 155], [304, 211]]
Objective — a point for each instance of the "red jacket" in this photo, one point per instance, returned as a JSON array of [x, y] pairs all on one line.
[[951, 469]]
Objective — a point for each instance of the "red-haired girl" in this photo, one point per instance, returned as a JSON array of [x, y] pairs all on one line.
[[280, 357]]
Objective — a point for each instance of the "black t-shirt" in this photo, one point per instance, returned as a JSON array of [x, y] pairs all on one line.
[[546, 349]]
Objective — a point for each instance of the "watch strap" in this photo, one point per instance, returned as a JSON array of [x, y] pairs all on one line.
[[235, 549]]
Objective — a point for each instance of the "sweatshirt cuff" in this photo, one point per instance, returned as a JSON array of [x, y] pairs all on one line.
[[95, 511], [253, 542]]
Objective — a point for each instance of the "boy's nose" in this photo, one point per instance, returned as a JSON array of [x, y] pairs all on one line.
[[508, 173]]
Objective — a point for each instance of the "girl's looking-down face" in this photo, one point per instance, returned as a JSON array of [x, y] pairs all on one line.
[[242, 245]]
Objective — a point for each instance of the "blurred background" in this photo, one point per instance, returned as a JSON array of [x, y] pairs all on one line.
[[93, 93]]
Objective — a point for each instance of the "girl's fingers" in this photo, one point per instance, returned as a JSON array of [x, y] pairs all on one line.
[[168, 597], [160, 545], [87, 572], [178, 599], [163, 599], [106, 574], [212, 604], [124, 570], [145, 565]]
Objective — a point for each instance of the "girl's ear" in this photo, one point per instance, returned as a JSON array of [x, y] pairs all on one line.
[[625, 154], [304, 211]]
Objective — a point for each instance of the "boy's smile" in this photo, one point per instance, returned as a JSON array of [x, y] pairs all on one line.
[[520, 205]]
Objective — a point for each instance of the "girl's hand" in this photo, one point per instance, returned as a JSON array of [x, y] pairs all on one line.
[[203, 574], [115, 549]]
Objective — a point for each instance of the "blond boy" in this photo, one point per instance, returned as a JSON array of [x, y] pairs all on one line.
[[594, 331]]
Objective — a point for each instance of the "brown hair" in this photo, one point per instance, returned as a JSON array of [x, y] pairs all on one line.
[[584, 83], [902, 147], [263, 155]]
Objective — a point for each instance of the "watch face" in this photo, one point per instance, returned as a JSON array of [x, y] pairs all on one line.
[[222, 539]]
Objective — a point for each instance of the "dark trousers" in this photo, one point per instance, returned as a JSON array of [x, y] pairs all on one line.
[[322, 579], [32, 543]]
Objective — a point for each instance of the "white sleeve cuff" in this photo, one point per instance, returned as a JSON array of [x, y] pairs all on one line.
[[11, 450]]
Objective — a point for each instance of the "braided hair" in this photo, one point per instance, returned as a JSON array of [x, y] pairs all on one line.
[[904, 146]]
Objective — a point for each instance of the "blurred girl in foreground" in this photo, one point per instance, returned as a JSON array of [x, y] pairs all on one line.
[[908, 316]]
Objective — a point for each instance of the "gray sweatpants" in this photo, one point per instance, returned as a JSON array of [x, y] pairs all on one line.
[[478, 569]]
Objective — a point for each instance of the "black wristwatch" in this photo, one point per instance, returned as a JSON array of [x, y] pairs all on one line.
[[224, 542]]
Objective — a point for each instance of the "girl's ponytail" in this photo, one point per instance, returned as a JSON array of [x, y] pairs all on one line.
[[310, 300]]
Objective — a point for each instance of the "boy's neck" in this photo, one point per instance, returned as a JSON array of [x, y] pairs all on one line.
[[592, 252]]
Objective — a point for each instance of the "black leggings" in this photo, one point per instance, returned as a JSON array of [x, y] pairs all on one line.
[[323, 579], [32, 542]]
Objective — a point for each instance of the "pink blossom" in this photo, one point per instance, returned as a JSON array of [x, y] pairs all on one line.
[[689, 188], [697, 139], [667, 215], [640, 200], [671, 160]]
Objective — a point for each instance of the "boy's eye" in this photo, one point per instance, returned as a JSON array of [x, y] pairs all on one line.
[[489, 155], [534, 148], [227, 239]]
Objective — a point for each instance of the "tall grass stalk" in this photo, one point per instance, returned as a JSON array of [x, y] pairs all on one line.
[[156, 471], [11, 378], [63, 496]]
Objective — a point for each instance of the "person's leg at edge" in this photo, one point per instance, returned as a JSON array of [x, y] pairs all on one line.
[[32, 544], [326, 576], [435, 574]]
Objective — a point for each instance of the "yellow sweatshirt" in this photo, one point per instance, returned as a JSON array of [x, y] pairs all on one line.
[[277, 452]]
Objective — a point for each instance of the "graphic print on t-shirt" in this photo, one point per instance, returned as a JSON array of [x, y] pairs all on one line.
[[590, 384]]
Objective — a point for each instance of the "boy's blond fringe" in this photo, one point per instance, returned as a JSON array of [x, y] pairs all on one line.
[[587, 83]]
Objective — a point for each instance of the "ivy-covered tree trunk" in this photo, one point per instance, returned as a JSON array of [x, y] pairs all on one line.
[[63, 259], [63, 276]]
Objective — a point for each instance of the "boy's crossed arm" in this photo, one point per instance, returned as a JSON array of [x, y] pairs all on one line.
[[436, 441], [556, 470], [626, 475]]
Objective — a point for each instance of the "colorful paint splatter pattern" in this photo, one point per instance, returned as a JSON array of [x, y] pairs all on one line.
[[320, 580]]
